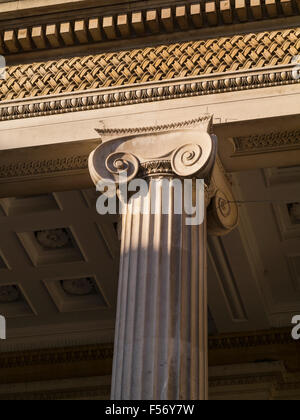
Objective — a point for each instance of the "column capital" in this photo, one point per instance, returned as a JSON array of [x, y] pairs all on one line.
[[186, 149], [223, 211]]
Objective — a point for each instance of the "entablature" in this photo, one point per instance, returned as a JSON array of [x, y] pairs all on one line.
[[150, 74]]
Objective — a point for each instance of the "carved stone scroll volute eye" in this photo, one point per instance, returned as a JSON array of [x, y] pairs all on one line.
[[116, 167], [123, 166], [194, 158], [223, 214], [186, 159]]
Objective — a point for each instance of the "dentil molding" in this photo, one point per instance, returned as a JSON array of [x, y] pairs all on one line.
[[101, 25]]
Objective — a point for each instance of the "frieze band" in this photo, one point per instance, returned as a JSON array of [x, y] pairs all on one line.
[[283, 140]]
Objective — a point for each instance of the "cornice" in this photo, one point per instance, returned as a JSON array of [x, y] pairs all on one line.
[[96, 25], [194, 68], [220, 57], [146, 92]]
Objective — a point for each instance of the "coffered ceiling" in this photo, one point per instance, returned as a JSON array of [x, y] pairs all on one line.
[[59, 263], [254, 272], [58, 266]]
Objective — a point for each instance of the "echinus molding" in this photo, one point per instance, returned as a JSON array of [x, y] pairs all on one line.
[[151, 74], [97, 25]]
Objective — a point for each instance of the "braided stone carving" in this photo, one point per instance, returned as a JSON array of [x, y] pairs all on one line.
[[151, 64]]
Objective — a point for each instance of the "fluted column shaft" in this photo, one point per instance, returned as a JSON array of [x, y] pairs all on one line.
[[161, 331]]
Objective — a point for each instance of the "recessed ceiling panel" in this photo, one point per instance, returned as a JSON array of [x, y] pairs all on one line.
[[63, 259], [76, 294], [13, 302], [51, 246]]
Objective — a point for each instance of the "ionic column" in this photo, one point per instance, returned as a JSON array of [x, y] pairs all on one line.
[[161, 327]]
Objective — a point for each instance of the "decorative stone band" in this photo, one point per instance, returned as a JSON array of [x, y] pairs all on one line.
[[98, 352], [156, 168], [56, 356], [283, 140], [248, 145], [41, 167], [252, 339], [147, 92], [140, 22], [205, 120]]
